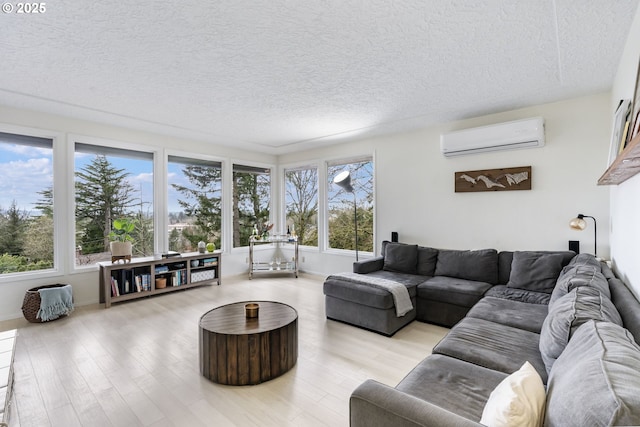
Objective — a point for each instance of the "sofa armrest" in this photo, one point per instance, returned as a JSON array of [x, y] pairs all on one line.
[[369, 265], [373, 404]]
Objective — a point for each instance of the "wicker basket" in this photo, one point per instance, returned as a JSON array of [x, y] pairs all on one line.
[[31, 303]]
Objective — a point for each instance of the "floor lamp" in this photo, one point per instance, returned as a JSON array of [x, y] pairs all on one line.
[[578, 223], [343, 180]]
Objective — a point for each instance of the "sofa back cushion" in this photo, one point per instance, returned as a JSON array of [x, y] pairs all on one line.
[[427, 259], [585, 259], [627, 305], [401, 258], [573, 276], [535, 271], [595, 381], [567, 314], [480, 265]]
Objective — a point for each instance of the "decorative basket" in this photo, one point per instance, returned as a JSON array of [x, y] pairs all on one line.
[[31, 303]]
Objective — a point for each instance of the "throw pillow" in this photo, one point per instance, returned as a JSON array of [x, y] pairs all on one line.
[[535, 271], [517, 401], [401, 258], [479, 266], [567, 314], [427, 259]]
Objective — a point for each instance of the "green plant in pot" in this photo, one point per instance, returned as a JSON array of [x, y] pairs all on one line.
[[121, 239]]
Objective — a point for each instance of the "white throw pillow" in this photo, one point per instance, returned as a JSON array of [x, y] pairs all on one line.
[[517, 401]]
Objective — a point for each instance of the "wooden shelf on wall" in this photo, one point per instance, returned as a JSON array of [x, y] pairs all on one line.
[[625, 166]]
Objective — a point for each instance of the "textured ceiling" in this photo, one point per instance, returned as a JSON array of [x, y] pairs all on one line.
[[283, 75]]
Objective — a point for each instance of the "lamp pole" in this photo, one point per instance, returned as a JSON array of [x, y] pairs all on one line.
[[355, 221]]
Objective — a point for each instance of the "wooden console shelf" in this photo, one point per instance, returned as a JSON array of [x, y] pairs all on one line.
[[148, 276], [625, 166]]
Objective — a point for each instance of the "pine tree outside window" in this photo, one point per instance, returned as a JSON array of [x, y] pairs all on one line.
[[251, 201], [195, 203], [26, 204], [111, 183]]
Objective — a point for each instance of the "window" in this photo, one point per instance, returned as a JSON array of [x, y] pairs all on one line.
[[251, 201], [340, 206], [112, 183], [301, 203], [26, 203], [195, 198]]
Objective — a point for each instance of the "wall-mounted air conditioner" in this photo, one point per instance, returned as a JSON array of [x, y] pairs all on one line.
[[527, 133]]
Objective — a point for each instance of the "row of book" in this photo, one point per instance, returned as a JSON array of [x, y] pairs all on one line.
[[177, 278], [126, 282]]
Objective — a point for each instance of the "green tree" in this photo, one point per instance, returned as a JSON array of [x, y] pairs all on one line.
[[202, 203], [102, 195], [251, 197], [13, 225], [38, 240]]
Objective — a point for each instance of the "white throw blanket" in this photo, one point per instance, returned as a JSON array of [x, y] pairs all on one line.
[[398, 291]]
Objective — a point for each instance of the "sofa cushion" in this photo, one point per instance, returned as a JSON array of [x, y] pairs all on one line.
[[455, 385], [573, 276], [493, 346], [452, 290], [517, 314], [567, 314], [401, 258], [505, 258], [522, 295], [585, 259], [517, 401], [427, 259], [480, 265], [595, 381], [535, 271]]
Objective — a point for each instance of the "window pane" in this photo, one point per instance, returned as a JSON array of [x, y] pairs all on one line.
[[26, 203], [341, 206], [301, 204], [195, 203], [251, 201], [112, 184]]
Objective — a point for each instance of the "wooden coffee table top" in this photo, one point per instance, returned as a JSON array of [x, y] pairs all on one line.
[[231, 319]]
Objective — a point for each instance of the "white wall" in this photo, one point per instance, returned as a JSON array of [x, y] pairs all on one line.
[[625, 198], [85, 283], [415, 187]]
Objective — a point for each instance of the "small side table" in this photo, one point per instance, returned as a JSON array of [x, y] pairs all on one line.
[[237, 350]]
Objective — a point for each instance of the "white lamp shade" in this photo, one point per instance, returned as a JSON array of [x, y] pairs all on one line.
[[343, 180], [578, 224]]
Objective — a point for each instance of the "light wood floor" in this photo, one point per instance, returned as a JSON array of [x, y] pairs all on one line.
[[136, 363]]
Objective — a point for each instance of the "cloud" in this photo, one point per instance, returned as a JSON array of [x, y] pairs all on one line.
[[22, 180]]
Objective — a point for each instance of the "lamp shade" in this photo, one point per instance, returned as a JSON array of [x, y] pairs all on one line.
[[343, 180], [578, 223]]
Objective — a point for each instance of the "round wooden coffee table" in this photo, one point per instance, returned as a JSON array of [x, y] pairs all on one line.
[[237, 350]]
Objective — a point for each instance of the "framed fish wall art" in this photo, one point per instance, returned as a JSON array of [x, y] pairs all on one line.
[[506, 179]]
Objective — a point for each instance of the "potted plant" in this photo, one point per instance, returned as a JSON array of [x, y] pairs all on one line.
[[121, 239]]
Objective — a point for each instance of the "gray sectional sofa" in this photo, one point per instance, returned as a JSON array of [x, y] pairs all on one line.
[[568, 316]]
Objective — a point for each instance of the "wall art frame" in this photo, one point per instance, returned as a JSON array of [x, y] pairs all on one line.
[[503, 179]]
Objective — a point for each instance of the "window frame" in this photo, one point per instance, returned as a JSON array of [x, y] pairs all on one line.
[[159, 199], [59, 195], [344, 161], [273, 198], [317, 165], [224, 238]]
